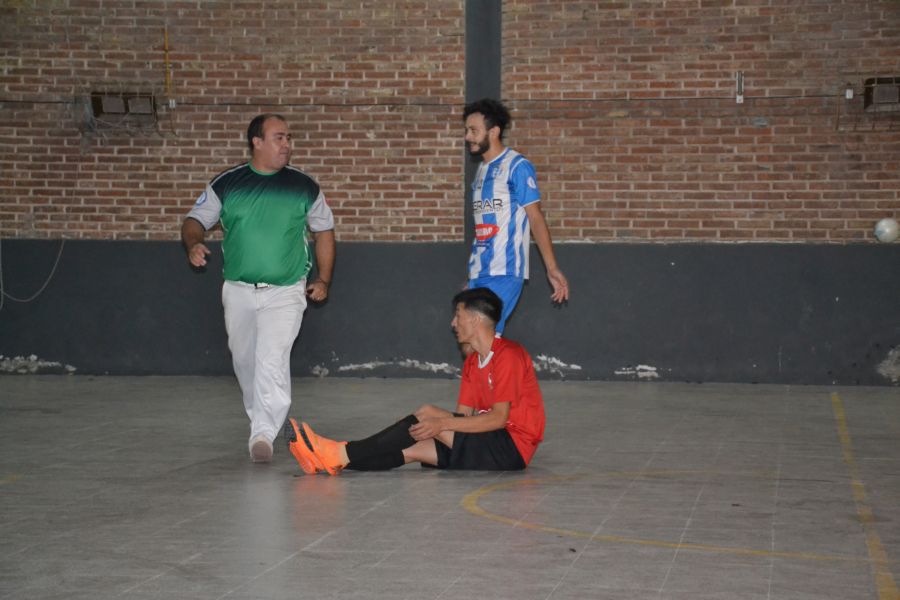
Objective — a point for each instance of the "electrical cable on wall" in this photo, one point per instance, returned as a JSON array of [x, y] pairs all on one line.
[[4, 295]]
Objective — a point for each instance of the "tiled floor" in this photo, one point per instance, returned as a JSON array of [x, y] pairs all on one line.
[[140, 488]]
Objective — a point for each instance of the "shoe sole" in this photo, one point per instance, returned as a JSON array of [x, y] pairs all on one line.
[[261, 452], [308, 437], [302, 450]]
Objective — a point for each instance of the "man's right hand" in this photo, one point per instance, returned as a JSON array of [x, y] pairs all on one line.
[[197, 255]]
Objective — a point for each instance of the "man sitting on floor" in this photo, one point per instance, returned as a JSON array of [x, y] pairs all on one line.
[[499, 418]]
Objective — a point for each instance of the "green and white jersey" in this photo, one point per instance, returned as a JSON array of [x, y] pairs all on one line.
[[265, 219]]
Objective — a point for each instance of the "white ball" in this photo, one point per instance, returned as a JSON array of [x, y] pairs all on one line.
[[887, 230]]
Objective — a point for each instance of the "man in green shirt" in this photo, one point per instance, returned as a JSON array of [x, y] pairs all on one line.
[[266, 208]]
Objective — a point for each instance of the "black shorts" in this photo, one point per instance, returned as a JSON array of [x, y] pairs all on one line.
[[486, 451]]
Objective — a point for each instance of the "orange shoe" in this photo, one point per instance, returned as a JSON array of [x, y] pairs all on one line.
[[328, 452], [301, 448]]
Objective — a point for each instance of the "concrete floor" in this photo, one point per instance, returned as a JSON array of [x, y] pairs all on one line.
[[141, 488]]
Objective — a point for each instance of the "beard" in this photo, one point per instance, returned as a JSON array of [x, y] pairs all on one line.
[[483, 146]]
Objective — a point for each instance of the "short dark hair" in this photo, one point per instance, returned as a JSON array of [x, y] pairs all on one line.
[[481, 300], [255, 129], [493, 111]]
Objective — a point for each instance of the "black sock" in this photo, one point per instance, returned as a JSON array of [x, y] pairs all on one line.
[[384, 450]]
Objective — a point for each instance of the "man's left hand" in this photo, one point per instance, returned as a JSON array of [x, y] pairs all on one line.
[[560, 286], [317, 290], [426, 429]]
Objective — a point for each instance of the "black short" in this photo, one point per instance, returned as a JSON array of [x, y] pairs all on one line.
[[486, 451]]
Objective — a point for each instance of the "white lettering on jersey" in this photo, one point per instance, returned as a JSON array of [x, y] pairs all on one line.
[[500, 192]]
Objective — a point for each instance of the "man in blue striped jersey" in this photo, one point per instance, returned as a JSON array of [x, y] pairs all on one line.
[[507, 211]]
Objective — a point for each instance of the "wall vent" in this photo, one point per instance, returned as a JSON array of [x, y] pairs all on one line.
[[882, 94], [129, 111]]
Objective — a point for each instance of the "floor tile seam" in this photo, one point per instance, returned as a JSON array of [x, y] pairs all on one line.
[[14, 522], [260, 575], [497, 540], [775, 498], [161, 531], [880, 459], [632, 481], [636, 476], [569, 567], [24, 549], [892, 422], [649, 461], [448, 516], [382, 554], [448, 587], [206, 545], [652, 456], [618, 500], [356, 518], [689, 519], [145, 581], [51, 452], [168, 566], [387, 555]]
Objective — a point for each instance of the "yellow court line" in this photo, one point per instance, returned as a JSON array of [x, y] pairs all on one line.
[[470, 503], [884, 580], [9, 479]]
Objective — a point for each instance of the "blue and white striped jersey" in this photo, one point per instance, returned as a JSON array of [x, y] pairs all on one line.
[[500, 192]]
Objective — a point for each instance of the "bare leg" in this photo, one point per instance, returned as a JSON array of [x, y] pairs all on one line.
[[422, 452]]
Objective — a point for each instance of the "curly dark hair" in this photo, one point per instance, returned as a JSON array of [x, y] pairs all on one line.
[[493, 111]]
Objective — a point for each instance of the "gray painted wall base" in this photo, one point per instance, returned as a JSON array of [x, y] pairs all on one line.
[[800, 314]]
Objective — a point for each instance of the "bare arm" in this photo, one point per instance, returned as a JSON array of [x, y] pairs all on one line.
[[317, 290], [492, 420], [541, 234], [465, 410], [192, 236]]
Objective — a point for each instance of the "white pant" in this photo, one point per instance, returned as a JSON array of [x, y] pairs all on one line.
[[262, 324]]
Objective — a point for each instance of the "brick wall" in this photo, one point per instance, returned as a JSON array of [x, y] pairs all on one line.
[[628, 110], [371, 90], [626, 107]]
